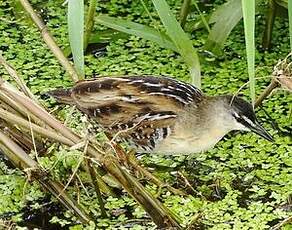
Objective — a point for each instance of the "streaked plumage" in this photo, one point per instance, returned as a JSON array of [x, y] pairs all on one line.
[[159, 114]]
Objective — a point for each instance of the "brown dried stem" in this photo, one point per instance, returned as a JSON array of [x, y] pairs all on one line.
[[282, 76], [156, 210], [12, 106], [274, 84], [39, 112], [94, 178], [27, 107], [16, 78], [134, 163], [161, 216], [282, 223], [16, 120], [20, 159], [50, 40], [22, 138]]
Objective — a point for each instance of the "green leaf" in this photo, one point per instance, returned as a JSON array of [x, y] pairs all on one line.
[[203, 18], [107, 36], [137, 29], [225, 18], [290, 21], [248, 9], [100, 37], [180, 39], [76, 33]]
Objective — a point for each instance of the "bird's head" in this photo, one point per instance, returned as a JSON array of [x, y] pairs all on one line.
[[243, 117]]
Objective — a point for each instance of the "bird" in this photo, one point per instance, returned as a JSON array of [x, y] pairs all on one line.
[[159, 114]]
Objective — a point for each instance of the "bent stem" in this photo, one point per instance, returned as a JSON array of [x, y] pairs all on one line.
[[16, 78], [274, 84], [20, 159], [134, 163]]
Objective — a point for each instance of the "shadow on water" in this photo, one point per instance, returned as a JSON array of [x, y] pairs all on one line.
[[35, 218], [39, 218]]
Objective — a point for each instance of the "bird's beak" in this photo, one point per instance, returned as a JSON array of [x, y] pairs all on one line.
[[258, 129]]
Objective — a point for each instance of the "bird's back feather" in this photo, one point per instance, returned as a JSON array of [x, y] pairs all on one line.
[[141, 109]]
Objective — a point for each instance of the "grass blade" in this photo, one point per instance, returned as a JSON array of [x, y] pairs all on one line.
[[137, 29], [184, 11], [89, 21], [76, 33], [203, 19], [290, 21], [107, 36], [226, 18], [248, 10], [180, 39]]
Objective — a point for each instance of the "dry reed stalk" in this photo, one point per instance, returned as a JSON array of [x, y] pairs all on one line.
[[50, 40]]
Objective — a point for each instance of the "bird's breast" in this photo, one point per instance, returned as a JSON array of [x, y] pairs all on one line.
[[183, 143]]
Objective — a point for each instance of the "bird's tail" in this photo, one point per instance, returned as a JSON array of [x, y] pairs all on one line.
[[61, 95]]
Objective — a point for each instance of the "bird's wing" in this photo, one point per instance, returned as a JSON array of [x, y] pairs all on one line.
[[140, 109], [146, 130], [118, 99]]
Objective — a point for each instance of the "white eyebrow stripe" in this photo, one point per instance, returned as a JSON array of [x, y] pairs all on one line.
[[236, 114], [248, 121]]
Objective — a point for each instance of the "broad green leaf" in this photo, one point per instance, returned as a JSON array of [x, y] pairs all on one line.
[[225, 18], [180, 39], [106, 36], [137, 29], [248, 9], [76, 33], [100, 37]]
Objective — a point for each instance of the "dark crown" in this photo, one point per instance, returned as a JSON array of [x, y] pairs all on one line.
[[241, 108]]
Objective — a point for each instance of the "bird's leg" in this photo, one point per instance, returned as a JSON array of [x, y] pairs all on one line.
[[129, 159], [188, 185]]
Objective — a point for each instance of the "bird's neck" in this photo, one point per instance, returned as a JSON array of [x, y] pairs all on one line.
[[214, 117]]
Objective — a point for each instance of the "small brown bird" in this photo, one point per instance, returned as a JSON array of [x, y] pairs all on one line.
[[160, 114]]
